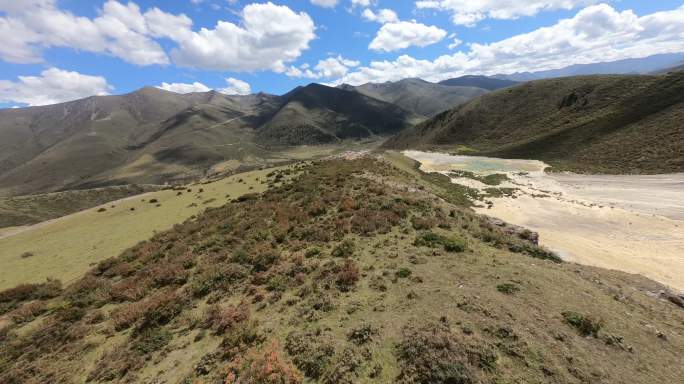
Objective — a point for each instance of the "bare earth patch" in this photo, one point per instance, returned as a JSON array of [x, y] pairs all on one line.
[[629, 223]]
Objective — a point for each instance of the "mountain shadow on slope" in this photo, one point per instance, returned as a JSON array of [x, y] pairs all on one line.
[[419, 96], [318, 114]]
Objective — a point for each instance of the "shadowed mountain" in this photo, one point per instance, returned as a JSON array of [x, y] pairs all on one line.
[[612, 124], [418, 96], [319, 114], [484, 82]]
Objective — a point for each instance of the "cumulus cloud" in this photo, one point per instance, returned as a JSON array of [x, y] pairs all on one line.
[[120, 30], [382, 16], [403, 34], [469, 12], [184, 87], [236, 87], [324, 3], [267, 37], [52, 86], [595, 34], [331, 67], [362, 3]]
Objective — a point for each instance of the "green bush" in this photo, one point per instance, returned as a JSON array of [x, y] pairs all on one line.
[[433, 240], [344, 249], [403, 272], [584, 324], [508, 288]]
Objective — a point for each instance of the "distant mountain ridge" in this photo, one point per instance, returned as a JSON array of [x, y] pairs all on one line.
[[418, 96], [483, 82], [644, 65]]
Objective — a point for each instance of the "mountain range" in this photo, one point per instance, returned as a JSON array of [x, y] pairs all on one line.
[[645, 65], [152, 136], [156, 136]]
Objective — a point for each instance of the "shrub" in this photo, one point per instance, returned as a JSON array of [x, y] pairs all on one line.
[[312, 252], [151, 340], [362, 335], [344, 249], [584, 324], [347, 276], [403, 273], [263, 367], [26, 255], [431, 354], [264, 256], [433, 240], [28, 312], [223, 320], [311, 351], [508, 288]]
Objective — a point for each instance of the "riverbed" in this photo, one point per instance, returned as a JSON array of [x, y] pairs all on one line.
[[631, 223]]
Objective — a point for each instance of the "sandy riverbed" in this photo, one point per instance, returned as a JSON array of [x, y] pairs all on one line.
[[629, 223]]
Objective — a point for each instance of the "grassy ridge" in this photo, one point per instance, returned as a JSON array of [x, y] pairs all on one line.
[[356, 272], [31, 209], [607, 124], [68, 247]]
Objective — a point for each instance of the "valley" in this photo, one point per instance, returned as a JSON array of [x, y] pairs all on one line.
[[629, 223]]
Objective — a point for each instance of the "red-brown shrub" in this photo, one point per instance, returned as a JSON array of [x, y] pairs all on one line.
[[347, 276], [263, 367]]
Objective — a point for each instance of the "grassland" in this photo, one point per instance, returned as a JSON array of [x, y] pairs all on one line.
[[66, 248], [355, 272], [32, 209]]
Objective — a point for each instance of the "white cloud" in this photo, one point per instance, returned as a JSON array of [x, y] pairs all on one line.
[[469, 12], [382, 16], [52, 86], [331, 67], [268, 37], [236, 87], [120, 30], [184, 87], [456, 42], [324, 3], [403, 34], [362, 3], [595, 34]]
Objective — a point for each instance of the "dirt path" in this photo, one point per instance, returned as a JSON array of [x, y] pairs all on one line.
[[629, 223]]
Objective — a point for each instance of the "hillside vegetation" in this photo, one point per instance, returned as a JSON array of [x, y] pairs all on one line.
[[353, 272], [608, 124], [69, 246]]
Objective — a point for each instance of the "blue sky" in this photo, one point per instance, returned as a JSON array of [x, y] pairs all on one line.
[[60, 50]]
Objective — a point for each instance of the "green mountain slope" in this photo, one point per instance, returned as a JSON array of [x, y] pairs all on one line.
[[419, 96], [354, 272], [612, 124]]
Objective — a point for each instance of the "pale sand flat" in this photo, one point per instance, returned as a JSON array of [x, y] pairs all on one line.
[[629, 223]]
